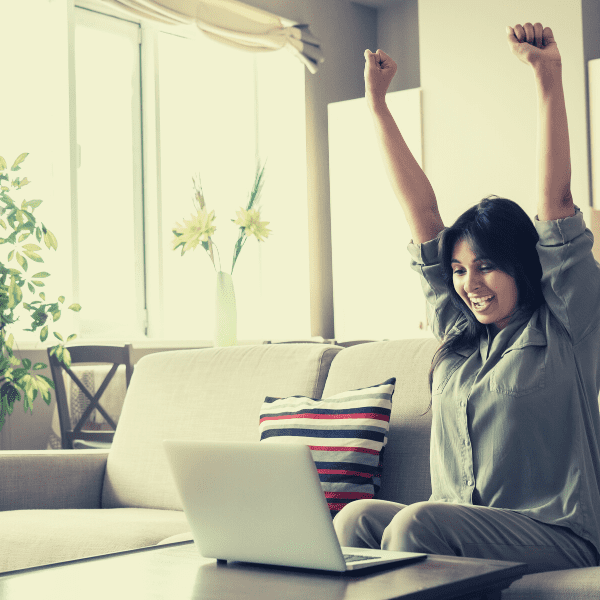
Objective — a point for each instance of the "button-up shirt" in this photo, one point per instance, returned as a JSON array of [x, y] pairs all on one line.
[[515, 420]]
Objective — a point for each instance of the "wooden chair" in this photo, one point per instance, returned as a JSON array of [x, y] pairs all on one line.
[[74, 436]]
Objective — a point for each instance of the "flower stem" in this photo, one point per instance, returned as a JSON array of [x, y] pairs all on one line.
[[235, 257], [219, 255]]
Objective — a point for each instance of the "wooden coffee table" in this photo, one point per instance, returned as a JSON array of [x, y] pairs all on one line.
[[177, 571]]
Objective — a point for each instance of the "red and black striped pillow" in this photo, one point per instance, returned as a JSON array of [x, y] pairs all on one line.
[[346, 433]]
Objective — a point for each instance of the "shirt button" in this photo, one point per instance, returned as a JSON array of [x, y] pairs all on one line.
[[462, 403], [469, 482]]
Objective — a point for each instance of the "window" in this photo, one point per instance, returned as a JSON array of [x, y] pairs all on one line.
[[204, 108], [108, 234]]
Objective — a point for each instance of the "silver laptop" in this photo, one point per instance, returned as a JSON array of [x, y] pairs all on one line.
[[262, 503]]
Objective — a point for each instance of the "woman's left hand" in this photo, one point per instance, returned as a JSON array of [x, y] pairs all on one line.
[[533, 44]]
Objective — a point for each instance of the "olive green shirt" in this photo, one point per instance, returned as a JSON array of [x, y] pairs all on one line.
[[515, 420]]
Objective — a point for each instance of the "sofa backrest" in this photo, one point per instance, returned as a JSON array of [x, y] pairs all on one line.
[[210, 394], [405, 476]]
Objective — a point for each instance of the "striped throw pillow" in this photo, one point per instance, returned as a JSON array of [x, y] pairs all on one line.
[[346, 433]]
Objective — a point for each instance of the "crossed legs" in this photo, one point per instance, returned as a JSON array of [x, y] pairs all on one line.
[[462, 530]]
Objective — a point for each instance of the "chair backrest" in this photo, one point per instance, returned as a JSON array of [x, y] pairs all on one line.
[[117, 355]]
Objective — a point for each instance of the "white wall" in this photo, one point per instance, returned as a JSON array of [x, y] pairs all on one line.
[[480, 105]]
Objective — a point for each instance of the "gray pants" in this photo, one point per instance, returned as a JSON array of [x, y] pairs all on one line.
[[462, 530]]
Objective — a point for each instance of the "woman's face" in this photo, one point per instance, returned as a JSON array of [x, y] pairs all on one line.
[[491, 294]]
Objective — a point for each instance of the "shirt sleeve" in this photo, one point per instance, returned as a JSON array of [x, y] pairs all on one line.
[[442, 315], [571, 275]]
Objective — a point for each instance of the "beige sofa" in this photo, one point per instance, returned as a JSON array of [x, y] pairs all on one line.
[[59, 505]]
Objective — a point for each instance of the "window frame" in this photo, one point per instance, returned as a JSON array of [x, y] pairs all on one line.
[[82, 12]]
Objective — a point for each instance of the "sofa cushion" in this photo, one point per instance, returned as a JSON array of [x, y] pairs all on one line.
[[32, 538], [406, 470], [346, 434], [214, 394]]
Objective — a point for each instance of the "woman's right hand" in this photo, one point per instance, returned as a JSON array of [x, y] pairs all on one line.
[[379, 72]]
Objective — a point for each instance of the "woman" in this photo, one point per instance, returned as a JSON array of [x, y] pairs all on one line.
[[515, 459]]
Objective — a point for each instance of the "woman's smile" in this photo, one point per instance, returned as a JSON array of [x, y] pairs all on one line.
[[481, 303], [490, 293]]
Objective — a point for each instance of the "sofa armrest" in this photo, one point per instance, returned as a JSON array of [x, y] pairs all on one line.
[[42, 479]]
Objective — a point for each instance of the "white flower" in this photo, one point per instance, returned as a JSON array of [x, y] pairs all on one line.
[[199, 228], [250, 221]]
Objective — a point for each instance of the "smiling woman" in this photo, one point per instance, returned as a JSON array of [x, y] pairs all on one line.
[[490, 251], [514, 437], [490, 293]]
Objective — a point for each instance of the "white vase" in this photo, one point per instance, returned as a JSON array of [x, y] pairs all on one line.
[[225, 311]]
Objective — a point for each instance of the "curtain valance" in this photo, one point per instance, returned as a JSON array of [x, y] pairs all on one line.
[[233, 23]]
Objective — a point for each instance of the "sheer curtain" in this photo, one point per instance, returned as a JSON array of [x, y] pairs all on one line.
[[230, 22]]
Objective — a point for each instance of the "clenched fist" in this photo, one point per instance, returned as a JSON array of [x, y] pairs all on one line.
[[379, 72], [533, 44]]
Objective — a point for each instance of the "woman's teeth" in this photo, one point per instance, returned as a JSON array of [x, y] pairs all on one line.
[[481, 302]]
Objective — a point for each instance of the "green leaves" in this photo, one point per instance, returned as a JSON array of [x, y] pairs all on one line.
[[49, 239], [15, 295], [23, 244], [18, 183], [22, 261], [33, 204], [61, 354], [18, 161], [9, 394], [30, 251]]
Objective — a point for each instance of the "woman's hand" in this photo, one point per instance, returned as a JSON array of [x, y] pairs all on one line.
[[379, 72], [534, 45]]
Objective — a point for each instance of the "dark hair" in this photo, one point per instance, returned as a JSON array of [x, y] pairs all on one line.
[[501, 231]]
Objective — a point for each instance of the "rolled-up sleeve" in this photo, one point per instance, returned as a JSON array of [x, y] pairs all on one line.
[[441, 313], [571, 275]]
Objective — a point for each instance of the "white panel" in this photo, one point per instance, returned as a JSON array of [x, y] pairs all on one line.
[[376, 294]]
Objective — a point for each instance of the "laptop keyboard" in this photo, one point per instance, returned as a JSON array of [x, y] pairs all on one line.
[[354, 557]]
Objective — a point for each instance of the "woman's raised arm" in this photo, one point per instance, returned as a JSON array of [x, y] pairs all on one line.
[[409, 182], [535, 46]]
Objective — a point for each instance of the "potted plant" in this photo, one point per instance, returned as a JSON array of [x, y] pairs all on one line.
[[20, 291]]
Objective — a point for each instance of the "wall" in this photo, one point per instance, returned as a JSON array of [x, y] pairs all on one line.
[[590, 16], [479, 101], [398, 36]]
